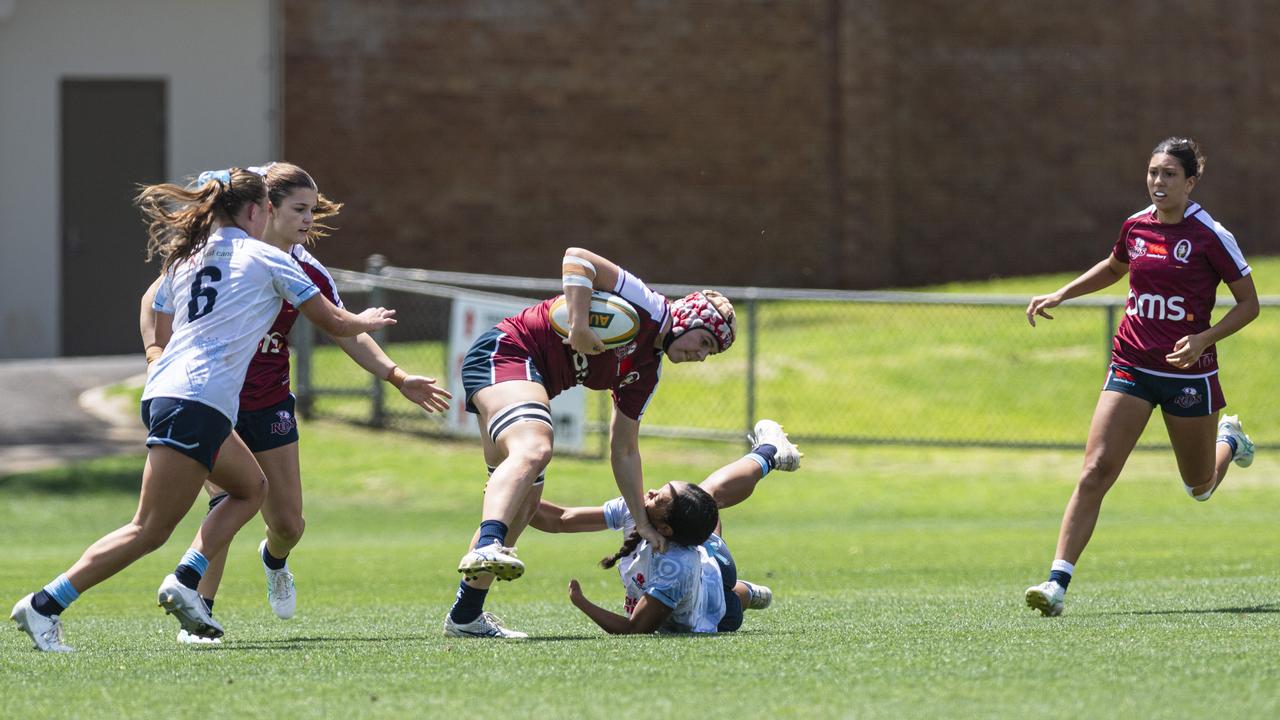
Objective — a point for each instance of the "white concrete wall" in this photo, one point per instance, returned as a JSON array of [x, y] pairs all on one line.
[[216, 58]]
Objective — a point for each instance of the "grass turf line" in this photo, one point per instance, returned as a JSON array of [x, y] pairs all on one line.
[[898, 577]]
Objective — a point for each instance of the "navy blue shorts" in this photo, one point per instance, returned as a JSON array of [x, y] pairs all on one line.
[[1175, 394], [270, 427], [192, 428], [494, 359], [732, 619]]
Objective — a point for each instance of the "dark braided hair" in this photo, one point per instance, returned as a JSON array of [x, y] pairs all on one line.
[[693, 516]]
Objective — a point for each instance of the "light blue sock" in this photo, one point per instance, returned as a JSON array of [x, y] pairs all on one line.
[[196, 560], [191, 568], [62, 590], [761, 460]]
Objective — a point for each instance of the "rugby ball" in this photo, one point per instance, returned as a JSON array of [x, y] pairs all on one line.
[[614, 319]]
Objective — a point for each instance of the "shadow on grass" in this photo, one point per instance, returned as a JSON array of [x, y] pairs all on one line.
[[118, 474], [1251, 610], [304, 643]]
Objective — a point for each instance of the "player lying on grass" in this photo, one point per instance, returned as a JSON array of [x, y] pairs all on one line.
[[694, 585]]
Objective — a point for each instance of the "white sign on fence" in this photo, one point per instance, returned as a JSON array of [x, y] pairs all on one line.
[[469, 318]]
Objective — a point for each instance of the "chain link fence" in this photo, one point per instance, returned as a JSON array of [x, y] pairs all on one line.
[[832, 366]]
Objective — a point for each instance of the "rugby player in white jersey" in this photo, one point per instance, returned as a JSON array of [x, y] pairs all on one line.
[[1164, 352], [510, 375], [223, 289], [693, 586], [266, 420]]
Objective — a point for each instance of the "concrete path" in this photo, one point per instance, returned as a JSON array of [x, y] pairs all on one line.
[[53, 411]]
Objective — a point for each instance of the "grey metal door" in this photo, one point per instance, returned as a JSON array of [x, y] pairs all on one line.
[[113, 138]]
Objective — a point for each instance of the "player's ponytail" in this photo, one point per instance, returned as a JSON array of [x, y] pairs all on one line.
[[628, 546], [180, 219]]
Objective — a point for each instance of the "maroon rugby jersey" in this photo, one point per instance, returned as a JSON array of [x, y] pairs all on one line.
[[266, 382], [1174, 271], [630, 371]]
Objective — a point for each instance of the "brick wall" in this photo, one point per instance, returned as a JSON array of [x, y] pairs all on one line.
[[809, 142]]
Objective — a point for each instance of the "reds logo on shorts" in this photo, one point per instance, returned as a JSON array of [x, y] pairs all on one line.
[[1189, 397], [284, 423]]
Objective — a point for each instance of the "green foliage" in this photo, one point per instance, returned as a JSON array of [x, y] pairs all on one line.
[[898, 576]]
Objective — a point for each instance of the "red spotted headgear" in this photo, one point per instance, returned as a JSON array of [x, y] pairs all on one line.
[[705, 309]]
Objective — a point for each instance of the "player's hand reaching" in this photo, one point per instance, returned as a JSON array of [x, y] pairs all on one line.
[[375, 318], [1039, 304], [656, 539], [584, 341], [575, 592], [424, 392], [1186, 351]]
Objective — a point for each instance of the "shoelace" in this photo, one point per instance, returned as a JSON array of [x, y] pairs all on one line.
[[492, 619], [495, 547], [280, 583]]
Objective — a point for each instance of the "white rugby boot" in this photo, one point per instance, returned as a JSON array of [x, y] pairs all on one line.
[[45, 630], [281, 593], [188, 607], [486, 626], [759, 597], [1048, 597], [1229, 427], [186, 638], [768, 432], [492, 558]]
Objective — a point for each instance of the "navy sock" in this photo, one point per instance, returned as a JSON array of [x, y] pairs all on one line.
[[469, 604], [44, 604], [1231, 443], [272, 561], [492, 531], [188, 576], [768, 452], [1061, 577]]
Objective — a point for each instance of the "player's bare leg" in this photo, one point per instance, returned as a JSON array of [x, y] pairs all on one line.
[[1118, 422]]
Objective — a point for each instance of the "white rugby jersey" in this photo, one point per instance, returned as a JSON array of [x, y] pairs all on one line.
[[222, 301], [685, 579]]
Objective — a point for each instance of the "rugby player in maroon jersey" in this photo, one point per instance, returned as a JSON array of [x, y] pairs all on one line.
[[1163, 354]]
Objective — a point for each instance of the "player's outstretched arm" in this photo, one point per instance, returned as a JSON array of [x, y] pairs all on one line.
[[552, 518], [418, 389], [1102, 275], [646, 618], [628, 473], [339, 323]]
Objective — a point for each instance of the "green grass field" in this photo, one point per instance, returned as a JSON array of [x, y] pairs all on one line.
[[898, 576]]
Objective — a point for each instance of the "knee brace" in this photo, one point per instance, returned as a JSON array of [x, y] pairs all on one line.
[[542, 476], [528, 411], [1202, 496]]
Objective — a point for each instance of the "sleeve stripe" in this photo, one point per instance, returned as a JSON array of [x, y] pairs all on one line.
[[1227, 239]]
